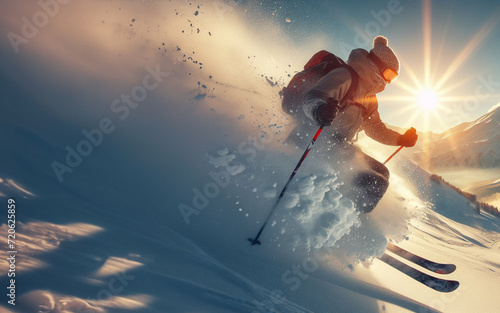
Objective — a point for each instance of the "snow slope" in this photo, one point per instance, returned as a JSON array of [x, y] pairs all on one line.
[[140, 264], [156, 217]]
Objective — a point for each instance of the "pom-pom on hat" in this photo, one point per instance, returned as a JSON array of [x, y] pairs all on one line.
[[384, 53]]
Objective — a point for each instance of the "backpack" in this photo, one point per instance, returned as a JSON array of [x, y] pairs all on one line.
[[318, 66]]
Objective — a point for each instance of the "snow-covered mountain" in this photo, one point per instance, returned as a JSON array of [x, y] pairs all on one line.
[[473, 144], [487, 191]]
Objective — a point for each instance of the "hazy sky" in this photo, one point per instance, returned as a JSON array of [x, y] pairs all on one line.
[[92, 43]]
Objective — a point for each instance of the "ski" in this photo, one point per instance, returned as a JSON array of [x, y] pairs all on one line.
[[442, 285], [438, 268]]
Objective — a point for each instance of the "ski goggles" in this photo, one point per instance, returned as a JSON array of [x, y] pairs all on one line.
[[388, 74]]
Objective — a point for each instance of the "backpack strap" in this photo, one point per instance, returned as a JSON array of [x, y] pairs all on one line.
[[352, 89], [367, 111]]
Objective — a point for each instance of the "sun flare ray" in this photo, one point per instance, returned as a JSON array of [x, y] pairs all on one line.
[[469, 48], [442, 44], [427, 25], [412, 75], [457, 85], [406, 87]]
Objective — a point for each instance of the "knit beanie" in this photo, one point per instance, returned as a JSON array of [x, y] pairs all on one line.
[[384, 53]]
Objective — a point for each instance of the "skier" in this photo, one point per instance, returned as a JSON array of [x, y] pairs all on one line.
[[365, 179]]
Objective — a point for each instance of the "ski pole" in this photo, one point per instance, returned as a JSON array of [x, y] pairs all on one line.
[[397, 151], [256, 241]]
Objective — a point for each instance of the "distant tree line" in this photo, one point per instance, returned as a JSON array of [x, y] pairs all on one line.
[[473, 198]]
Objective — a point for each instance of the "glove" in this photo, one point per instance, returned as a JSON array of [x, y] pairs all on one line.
[[326, 112], [409, 138]]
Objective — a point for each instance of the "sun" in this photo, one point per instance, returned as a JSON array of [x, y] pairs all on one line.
[[432, 90], [427, 99]]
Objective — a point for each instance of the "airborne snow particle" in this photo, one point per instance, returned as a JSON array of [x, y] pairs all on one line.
[[200, 97], [269, 193], [234, 170], [223, 152], [221, 161], [270, 82]]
